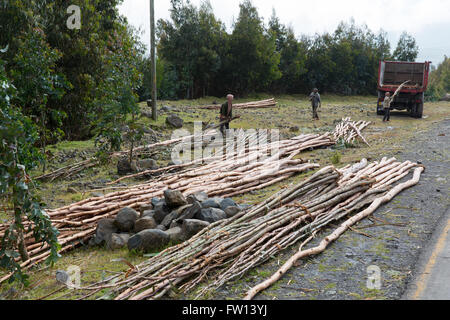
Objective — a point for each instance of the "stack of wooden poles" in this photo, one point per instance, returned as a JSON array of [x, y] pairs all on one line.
[[269, 103], [227, 175], [228, 249]]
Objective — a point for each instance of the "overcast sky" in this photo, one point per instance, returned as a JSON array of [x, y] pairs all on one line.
[[427, 20]]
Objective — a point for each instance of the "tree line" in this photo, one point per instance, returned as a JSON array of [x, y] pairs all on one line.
[[198, 57]]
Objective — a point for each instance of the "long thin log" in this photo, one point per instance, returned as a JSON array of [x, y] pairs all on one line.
[[334, 235]]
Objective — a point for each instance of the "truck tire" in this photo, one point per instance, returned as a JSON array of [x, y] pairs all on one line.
[[380, 110], [419, 110]]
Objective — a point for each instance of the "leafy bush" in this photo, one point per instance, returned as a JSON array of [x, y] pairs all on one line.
[[335, 158], [18, 155]]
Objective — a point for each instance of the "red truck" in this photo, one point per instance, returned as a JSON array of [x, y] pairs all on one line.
[[393, 73]]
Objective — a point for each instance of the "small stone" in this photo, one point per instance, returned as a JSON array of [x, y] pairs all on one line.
[[144, 224], [118, 241], [191, 227], [155, 200], [105, 227], [191, 211], [62, 276], [168, 219], [231, 211], [161, 210], [174, 198], [160, 227], [198, 196], [211, 215], [174, 121], [97, 194], [175, 234], [148, 241], [211, 203], [125, 219], [145, 207], [227, 202], [147, 213]]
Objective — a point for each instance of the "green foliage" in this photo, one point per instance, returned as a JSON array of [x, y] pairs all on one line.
[[254, 59], [335, 158], [116, 96], [33, 74], [189, 49], [197, 57], [18, 135], [407, 49], [80, 56], [439, 81], [292, 56]]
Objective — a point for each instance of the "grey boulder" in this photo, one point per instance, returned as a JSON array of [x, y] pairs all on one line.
[[198, 196], [174, 121], [191, 211], [147, 213], [231, 211], [175, 234], [152, 240], [144, 224], [161, 210], [125, 219], [174, 198], [123, 166], [145, 207], [227, 202], [147, 164], [211, 203], [191, 227], [211, 215], [105, 228], [118, 241]]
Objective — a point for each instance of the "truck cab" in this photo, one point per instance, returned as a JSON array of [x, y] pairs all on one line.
[[393, 73]]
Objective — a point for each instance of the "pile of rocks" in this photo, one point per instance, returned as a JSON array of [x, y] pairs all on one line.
[[163, 221]]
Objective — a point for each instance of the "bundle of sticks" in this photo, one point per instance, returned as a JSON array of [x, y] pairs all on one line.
[[349, 130], [269, 103], [68, 171], [228, 249]]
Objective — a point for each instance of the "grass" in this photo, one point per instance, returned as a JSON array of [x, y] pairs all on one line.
[[293, 110]]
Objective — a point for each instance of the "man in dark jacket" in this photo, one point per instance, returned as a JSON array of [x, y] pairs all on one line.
[[314, 97], [226, 113]]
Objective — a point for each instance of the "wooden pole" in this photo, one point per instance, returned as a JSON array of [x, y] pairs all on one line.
[[153, 58]]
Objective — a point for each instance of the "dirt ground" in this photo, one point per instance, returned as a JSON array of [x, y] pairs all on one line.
[[338, 273]]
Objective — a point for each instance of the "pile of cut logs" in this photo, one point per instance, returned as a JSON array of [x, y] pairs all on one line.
[[269, 103], [348, 130], [228, 249], [228, 175]]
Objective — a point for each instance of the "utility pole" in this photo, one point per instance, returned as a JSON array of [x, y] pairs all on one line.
[[153, 58]]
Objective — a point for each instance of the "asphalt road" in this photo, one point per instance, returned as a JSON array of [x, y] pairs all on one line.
[[432, 280]]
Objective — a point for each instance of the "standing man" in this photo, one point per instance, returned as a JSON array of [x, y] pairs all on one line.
[[387, 106], [388, 100], [226, 113], [314, 97]]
